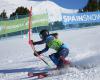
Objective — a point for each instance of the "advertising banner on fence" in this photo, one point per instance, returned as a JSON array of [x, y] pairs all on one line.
[[85, 17], [22, 24]]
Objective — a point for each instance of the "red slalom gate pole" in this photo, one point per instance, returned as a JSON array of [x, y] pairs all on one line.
[[29, 34], [30, 24]]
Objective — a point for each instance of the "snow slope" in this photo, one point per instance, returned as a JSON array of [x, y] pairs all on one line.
[[16, 56], [54, 11]]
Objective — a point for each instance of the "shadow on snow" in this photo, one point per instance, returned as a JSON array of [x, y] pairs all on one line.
[[24, 70]]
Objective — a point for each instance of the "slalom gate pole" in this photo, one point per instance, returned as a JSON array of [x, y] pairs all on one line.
[[30, 24], [29, 34]]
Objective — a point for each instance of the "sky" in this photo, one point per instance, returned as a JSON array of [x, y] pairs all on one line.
[[71, 4]]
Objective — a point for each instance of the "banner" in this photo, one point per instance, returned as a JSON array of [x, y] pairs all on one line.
[[86, 17], [22, 24]]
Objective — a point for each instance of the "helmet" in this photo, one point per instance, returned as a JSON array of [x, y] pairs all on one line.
[[44, 33]]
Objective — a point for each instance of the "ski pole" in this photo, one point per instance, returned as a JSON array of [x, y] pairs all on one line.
[[33, 48]]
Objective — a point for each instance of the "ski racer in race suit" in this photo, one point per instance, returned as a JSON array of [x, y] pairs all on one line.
[[53, 42]]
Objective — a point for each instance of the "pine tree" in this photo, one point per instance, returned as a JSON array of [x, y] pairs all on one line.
[[20, 12], [93, 5], [3, 15]]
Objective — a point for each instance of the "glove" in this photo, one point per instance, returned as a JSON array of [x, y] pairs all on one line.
[[37, 53], [30, 41]]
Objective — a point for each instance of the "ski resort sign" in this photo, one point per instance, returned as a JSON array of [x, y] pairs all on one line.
[[86, 17]]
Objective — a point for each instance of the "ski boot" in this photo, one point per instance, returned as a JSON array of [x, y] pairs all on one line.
[[65, 62]]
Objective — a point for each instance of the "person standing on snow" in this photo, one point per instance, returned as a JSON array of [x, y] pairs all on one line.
[[53, 42]]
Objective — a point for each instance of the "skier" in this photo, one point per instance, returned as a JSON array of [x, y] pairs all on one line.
[[53, 42]]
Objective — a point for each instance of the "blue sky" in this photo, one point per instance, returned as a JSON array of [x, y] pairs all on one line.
[[74, 4], [71, 4]]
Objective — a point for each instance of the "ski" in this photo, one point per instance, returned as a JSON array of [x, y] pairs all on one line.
[[39, 75], [46, 72]]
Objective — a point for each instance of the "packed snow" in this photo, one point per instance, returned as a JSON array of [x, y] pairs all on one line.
[[16, 55]]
